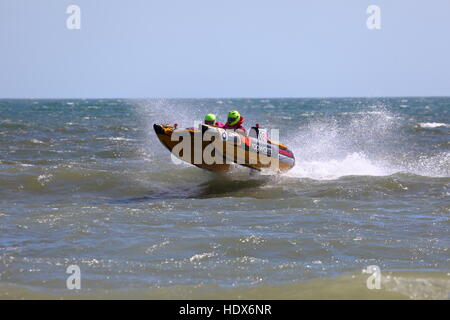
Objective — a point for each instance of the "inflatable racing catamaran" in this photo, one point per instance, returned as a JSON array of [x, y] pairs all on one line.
[[215, 149]]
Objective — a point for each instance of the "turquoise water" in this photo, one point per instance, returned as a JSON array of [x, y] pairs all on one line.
[[86, 182]]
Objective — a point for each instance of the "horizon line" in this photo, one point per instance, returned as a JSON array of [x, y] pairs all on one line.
[[207, 98]]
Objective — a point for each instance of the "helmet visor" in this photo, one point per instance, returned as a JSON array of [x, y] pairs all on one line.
[[210, 122], [232, 120]]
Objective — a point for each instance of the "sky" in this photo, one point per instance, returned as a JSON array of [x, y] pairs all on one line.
[[223, 48]]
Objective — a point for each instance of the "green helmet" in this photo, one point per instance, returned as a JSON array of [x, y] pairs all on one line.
[[233, 117], [210, 118]]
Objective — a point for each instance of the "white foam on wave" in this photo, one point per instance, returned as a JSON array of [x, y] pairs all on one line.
[[336, 147], [420, 287], [44, 179], [363, 143], [352, 164], [36, 141], [437, 165], [115, 139], [432, 125]]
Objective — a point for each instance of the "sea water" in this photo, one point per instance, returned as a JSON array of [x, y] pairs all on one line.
[[87, 183]]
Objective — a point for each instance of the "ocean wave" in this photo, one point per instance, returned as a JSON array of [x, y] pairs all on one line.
[[394, 285], [330, 169], [366, 188], [364, 143], [115, 139]]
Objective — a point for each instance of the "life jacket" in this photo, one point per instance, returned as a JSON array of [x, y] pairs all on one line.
[[237, 126]]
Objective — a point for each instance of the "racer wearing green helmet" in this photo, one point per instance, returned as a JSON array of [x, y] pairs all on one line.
[[210, 119], [234, 121]]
